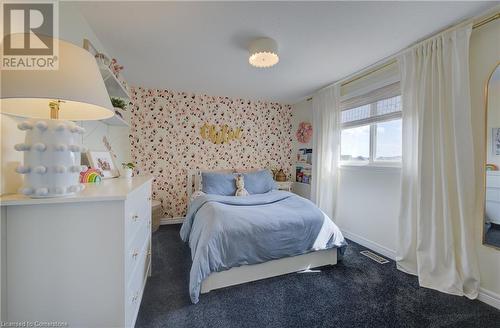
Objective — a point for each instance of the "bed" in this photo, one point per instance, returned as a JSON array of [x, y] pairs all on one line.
[[235, 240]]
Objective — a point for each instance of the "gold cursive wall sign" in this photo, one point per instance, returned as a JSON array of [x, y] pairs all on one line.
[[220, 134]]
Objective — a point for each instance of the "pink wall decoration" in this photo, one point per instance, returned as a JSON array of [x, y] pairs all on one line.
[[304, 132], [166, 142]]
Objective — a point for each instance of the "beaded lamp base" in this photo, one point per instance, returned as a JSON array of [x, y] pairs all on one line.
[[52, 154]]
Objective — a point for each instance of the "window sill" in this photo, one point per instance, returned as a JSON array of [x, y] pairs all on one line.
[[371, 167]]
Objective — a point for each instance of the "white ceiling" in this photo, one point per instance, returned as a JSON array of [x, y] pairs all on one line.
[[202, 47]]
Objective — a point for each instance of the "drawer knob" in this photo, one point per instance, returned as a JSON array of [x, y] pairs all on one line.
[[135, 253], [135, 217], [149, 198]]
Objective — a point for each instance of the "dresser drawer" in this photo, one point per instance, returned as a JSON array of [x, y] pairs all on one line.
[[133, 252], [136, 285], [137, 212]]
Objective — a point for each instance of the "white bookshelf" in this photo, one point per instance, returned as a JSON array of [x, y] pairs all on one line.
[[115, 88], [113, 85]]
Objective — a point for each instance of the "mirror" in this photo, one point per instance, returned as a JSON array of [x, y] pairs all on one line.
[[491, 233]]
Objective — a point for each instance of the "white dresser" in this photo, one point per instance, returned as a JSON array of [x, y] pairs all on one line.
[[83, 260]]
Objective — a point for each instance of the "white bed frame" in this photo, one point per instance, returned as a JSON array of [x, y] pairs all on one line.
[[247, 273]]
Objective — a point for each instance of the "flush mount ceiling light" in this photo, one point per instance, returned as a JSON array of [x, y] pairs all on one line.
[[263, 53]]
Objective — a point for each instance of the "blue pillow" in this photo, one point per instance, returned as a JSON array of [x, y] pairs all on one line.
[[218, 183], [259, 182]]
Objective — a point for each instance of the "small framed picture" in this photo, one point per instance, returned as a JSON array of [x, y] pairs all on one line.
[[495, 141], [103, 161]]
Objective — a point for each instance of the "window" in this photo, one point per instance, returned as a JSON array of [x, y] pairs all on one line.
[[371, 133], [355, 144], [388, 141]]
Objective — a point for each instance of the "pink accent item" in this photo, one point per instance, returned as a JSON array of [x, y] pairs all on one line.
[[304, 132]]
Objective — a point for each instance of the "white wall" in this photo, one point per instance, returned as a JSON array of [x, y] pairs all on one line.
[[368, 198], [73, 28], [484, 56], [10, 159], [301, 112], [368, 206]]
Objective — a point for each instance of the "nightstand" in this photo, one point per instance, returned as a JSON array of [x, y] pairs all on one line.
[[284, 185]]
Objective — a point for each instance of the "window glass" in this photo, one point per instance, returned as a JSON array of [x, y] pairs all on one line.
[[388, 141], [355, 144]]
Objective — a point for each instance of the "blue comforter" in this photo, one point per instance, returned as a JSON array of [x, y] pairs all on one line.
[[228, 231]]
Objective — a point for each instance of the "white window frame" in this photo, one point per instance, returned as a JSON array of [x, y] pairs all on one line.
[[372, 122]]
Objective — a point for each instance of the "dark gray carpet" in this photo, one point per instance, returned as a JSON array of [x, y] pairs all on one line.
[[357, 292]]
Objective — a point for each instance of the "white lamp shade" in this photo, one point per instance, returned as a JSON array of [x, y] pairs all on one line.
[[77, 82], [263, 53]]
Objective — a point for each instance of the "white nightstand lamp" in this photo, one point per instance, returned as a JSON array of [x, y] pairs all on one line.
[[52, 99]]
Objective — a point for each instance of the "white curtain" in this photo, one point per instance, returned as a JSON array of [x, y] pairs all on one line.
[[326, 147], [436, 224]]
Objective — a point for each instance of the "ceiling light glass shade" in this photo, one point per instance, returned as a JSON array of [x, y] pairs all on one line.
[[77, 82], [263, 53]]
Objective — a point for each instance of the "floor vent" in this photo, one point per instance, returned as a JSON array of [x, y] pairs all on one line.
[[375, 257]]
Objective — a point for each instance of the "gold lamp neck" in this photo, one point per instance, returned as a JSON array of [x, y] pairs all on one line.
[[54, 108]]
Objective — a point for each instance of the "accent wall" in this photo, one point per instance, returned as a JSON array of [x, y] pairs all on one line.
[[166, 139]]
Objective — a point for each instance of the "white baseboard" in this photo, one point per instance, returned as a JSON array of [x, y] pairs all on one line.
[[489, 297], [175, 220], [370, 244]]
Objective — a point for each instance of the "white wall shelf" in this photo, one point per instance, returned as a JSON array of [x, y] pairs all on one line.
[[113, 85], [115, 88]]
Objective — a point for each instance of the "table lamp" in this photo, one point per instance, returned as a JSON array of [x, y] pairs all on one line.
[[52, 99]]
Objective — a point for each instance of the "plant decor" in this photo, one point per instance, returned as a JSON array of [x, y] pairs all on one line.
[[119, 103], [128, 166]]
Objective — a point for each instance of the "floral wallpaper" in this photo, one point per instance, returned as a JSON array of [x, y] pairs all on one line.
[[166, 142]]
